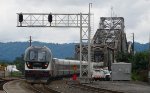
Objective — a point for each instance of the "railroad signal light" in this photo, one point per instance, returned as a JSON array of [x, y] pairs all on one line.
[[50, 18], [20, 17]]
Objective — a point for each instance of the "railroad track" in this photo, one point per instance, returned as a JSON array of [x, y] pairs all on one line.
[[43, 89], [3, 81], [93, 89]]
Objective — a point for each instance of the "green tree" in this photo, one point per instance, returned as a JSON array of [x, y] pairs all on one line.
[[140, 61], [140, 66], [5, 63], [19, 62], [124, 57]]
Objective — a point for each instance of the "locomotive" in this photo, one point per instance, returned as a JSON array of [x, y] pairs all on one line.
[[37, 64], [40, 66]]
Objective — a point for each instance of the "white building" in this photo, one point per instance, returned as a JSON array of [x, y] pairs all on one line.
[[11, 68]]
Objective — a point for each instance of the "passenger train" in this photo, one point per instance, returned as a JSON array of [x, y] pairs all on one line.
[[40, 66]]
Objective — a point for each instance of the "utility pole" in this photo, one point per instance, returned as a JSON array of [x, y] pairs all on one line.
[[149, 61], [133, 43], [30, 40]]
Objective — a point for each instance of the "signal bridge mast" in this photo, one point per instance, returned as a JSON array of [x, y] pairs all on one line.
[[79, 20]]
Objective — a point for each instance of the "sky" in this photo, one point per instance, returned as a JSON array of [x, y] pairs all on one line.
[[135, 12]]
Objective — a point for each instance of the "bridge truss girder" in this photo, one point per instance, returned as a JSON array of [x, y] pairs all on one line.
[[111, 33], [108, 40]]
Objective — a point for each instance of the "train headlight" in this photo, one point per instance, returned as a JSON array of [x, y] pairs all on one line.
[[28, 64], [45, 65]]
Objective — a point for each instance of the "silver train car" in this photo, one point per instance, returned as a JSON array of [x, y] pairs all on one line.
[[40, 67]]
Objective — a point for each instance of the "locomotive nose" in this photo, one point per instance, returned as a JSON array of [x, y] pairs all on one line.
[[37, 64], [37, 75]]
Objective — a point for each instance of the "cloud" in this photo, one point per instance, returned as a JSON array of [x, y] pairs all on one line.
[[135, 12]]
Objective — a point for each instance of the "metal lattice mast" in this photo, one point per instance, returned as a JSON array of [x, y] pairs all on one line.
[[64, 20]]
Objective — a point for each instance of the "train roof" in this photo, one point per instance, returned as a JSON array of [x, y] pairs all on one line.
[[37, 47], [67, 61]]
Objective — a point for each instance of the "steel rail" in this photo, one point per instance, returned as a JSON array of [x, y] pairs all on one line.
[[5, 82], [93, 89], [35, 89], [51, 90], [45, 88]]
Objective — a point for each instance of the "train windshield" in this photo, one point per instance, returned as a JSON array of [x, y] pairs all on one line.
[[38, 55], [41, 55], [33, 55]]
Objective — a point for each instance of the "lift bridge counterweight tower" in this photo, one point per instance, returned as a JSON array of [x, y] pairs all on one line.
[[108, 41], [80, 20]]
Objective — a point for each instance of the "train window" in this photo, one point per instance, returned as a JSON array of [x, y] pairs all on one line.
[[97, 70], [41, 55], [32, 55]]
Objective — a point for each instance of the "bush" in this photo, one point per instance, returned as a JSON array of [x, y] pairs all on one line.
[[16, 74]]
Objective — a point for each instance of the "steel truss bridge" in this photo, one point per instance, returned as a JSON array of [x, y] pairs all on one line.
[[108, 40]]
